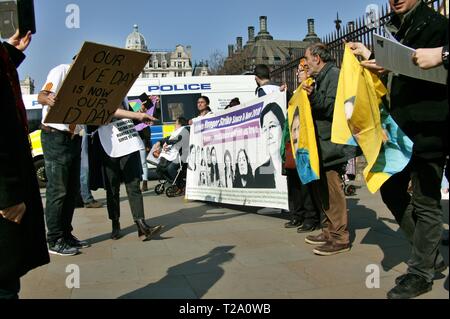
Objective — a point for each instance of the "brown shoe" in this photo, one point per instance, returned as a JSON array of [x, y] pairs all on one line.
[[320, 239], [144, 186], [331, 248]]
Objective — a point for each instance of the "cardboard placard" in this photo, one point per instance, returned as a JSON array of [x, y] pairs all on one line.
[[96, 84]]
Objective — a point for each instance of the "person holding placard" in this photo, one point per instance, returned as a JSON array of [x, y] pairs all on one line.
[[61, 144]]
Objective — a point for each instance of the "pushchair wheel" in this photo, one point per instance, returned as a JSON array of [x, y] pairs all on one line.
[[159, 189], [349, 190], [171, 191]]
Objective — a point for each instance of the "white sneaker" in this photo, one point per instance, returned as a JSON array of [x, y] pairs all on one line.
[[444, 194]]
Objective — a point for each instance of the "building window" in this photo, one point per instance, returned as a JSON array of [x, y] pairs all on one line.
[[164, 75], [179, 54], [155, 75], [155, 64], [180, 65], [164, 64], [180, 74]]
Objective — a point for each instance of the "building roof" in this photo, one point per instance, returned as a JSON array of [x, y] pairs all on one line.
[[136, 41]]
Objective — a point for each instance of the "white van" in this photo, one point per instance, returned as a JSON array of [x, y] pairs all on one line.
[[178, 96]]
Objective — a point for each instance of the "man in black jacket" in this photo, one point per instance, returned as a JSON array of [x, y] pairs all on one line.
[[22, 231], [421, 110], [335, 237]]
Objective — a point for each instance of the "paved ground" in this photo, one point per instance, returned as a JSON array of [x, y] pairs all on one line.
[[209, 251]]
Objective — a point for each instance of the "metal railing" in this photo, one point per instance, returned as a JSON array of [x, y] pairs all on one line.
[[354, 32]]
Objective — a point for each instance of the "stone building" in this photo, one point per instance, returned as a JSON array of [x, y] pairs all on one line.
[[27, 85], [162, 63], [264, 49]]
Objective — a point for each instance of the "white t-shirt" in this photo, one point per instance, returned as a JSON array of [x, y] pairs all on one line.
[[183, 146], [55, 78]]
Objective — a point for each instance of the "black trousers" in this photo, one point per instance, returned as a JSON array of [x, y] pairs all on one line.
[[127, 169], [419, 215], [301, 204], [9, 289], [62, 167]]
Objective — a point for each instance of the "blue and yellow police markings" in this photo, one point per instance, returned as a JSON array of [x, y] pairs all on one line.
[[161, 131]]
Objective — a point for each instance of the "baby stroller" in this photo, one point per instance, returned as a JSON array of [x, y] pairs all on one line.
[[172, 186], [348, 176]]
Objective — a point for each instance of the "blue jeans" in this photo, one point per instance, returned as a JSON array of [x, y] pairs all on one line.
[[62, 167], [84, 172]]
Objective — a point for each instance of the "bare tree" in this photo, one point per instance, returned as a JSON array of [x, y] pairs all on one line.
[[216, 62]]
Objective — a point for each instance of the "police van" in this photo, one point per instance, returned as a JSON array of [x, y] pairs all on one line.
[[34, 115], [178, 96]]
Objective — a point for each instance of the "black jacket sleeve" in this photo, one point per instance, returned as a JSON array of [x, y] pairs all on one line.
[[16, 55], [323, 98]]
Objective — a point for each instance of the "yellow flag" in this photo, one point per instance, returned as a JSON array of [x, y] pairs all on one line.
[[360, 118], [303, 136]]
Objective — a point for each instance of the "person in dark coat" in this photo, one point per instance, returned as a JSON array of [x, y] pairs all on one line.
[[420, 108], [23, 245], [333, 157]]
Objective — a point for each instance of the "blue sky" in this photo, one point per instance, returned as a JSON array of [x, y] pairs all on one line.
[[206, 25]]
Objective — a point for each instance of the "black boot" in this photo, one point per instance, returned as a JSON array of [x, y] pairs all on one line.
[[115, 234], [146, 232]]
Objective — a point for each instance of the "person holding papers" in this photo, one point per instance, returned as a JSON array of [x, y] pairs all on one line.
[[420, 108]]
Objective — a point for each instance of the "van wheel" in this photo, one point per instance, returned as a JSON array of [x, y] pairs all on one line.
[[39, 165]]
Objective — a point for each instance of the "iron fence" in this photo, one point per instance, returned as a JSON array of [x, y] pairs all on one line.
[[354, 31]]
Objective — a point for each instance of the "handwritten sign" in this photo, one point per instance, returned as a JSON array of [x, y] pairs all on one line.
[[96, 84]]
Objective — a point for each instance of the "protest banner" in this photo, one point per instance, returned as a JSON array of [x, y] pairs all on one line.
[[234, 156], [96, 84]]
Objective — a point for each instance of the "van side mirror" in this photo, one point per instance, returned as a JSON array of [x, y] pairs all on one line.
[[16, 14]]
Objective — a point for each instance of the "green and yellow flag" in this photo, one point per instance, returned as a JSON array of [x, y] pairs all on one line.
[[361, 118], [303, 136]]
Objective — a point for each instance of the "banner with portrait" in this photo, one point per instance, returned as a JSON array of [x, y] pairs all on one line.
[[234, 155]]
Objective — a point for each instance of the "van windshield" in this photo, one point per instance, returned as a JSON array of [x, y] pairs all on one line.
[[34, 119], [174, 106]]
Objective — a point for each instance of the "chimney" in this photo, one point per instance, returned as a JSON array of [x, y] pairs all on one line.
[[239, 44], [263, 24], [230, 50], [251, 34], [189, 51], [311, 26], [311, 36], [263, 33]]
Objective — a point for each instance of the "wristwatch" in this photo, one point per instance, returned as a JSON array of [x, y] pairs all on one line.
[[445, 56]]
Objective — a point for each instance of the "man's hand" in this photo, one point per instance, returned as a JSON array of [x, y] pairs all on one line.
[[308, 88], [359, 49], [283, 88], [14, 213], [20, 43], [47, 98], [372, 66], [427, 58], [145, 118]]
